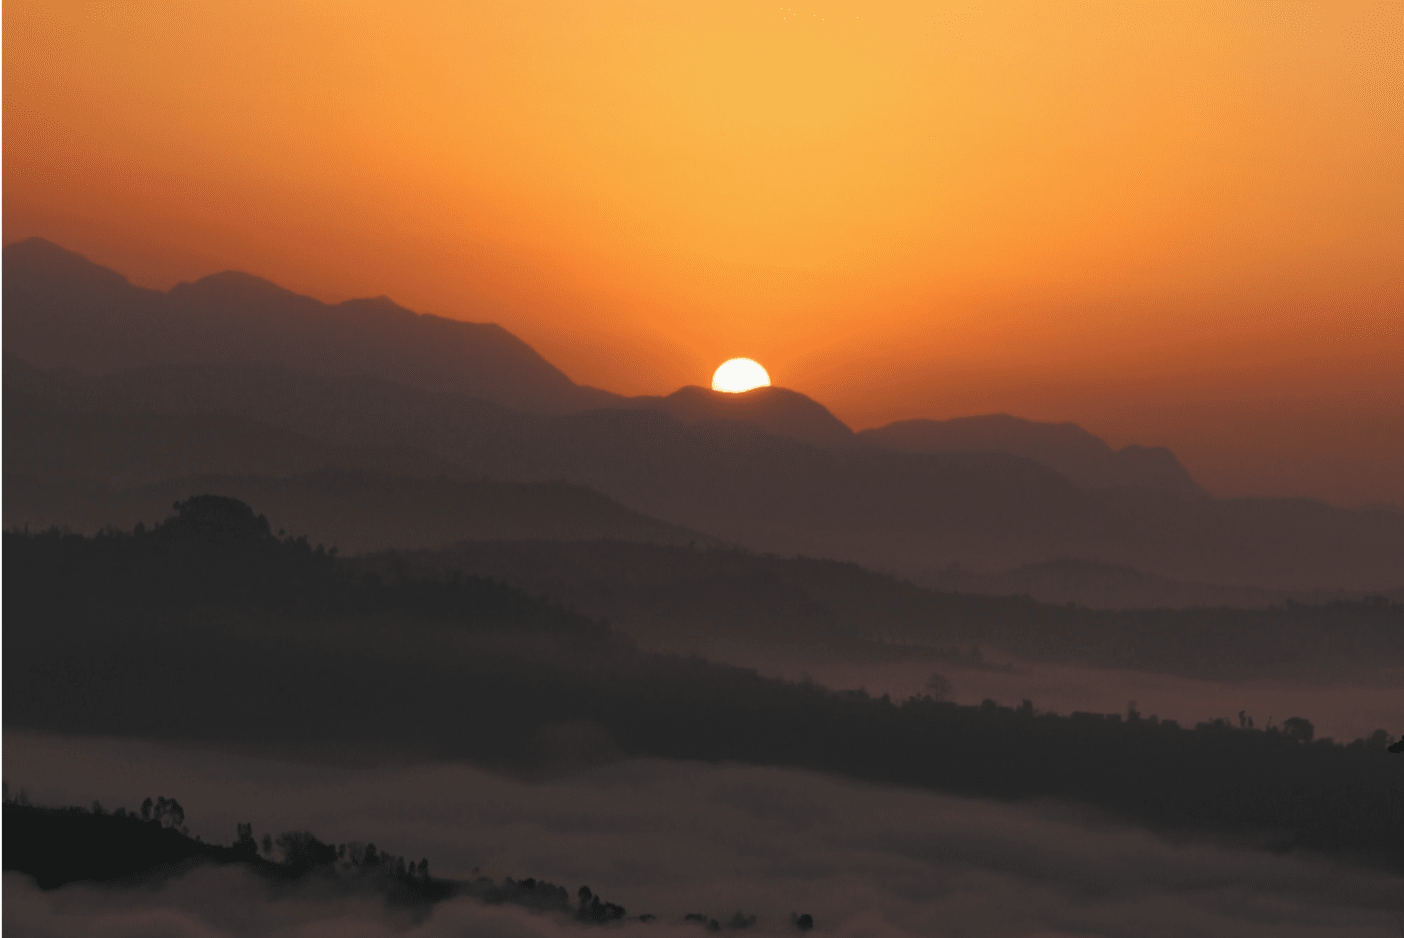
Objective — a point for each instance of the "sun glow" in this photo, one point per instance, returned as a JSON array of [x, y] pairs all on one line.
[[739, 374]]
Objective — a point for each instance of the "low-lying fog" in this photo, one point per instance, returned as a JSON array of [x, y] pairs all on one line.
[[1342, 706], [673, 838]]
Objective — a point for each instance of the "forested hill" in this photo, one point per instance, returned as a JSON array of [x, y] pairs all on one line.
[[58, 846], [215, 552], [211, 628]]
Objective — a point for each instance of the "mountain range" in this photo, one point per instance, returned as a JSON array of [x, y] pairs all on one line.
[[113, 388]]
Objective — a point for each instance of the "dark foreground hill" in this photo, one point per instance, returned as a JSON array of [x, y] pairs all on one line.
[[906, 512], [210, 629]]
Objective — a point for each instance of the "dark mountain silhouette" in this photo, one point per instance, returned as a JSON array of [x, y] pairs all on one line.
[[778, 411], [908, 512], [62, 311], [355, 510], [1085, 459]]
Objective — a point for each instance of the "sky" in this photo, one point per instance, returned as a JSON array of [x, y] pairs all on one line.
[[863, 860], [1174, 224]]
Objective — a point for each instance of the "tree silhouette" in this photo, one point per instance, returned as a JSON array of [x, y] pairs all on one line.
[[1298, 729]]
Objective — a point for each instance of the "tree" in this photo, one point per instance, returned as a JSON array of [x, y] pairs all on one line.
[[1298, 729], [302, 850], [168, 811]]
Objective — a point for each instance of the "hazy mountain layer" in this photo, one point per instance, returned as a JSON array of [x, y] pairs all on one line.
[[908, 512], [1116, 586], [701, 600]]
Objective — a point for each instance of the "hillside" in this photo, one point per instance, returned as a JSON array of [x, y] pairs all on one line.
[[209, 629]]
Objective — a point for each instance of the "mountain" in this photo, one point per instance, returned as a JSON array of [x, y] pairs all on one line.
[[898, 511], [62, 311], [65, 312], [1085, 459], [778, 411], [355, 511]]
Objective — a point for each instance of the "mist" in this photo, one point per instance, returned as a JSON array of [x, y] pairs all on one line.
[[669, 838]]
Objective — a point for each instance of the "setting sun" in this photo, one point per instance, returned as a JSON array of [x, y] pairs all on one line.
[[739, 374]]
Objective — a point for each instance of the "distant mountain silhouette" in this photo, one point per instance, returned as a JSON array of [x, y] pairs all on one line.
[[899, 511], [778, 411], [1085, 459], [355, 510], [62, 311]]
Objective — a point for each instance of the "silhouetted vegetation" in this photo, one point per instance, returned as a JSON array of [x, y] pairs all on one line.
[[57, 846], [217, 553], [211, 627]]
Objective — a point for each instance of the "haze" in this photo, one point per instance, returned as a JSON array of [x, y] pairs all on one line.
[[1178, 225]]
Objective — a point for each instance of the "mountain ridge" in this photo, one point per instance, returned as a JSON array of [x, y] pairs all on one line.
[[1083, 457], [63, 310]]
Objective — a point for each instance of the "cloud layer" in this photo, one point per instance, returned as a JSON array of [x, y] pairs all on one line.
[[673, 838]]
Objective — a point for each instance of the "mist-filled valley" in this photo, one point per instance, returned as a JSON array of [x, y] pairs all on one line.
[[670, 839], [351, 574]]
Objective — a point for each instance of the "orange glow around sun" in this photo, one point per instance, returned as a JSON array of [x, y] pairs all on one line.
[[1174, 224]]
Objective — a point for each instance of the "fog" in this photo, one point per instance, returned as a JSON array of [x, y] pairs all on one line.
[[1342, 705], [671, 838]]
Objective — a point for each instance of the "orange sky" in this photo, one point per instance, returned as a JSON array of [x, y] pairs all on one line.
[[1172, 223]]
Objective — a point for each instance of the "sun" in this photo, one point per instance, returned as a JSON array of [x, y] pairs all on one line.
[[739, 374]]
